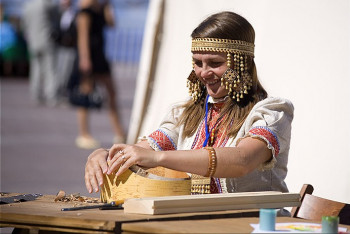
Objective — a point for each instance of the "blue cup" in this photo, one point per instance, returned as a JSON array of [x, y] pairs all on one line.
[[330, 224], [267, 220]]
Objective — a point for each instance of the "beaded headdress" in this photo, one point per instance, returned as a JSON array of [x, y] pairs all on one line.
[[237, 79]]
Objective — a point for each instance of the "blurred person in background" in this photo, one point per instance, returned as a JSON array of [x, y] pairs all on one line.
[[13, 50], [66, 51], [8, 40], [38, 28], [93, 67]]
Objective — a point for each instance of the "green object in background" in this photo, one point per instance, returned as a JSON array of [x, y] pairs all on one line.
[[330, 224]]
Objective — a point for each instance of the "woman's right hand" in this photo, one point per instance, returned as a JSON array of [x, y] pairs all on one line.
[[95, 167]]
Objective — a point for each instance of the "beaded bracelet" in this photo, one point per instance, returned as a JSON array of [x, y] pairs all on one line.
[[212, 162]]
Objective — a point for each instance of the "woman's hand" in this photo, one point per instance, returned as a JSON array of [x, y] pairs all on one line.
[[122, 156], [95, 167], [85, 65]]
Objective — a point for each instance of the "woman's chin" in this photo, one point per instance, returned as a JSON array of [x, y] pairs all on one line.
[[217, 93]]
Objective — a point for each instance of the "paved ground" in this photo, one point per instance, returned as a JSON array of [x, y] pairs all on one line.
[[38, 154]]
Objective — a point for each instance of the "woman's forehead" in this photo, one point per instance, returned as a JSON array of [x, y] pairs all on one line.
[[208, 54]]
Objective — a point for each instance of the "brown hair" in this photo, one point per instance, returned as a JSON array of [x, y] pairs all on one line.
[[225, 25]]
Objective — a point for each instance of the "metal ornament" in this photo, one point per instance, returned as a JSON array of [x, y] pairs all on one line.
[[237, 80], [195, 86]]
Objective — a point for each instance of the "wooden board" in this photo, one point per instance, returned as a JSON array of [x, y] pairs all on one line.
[[211, 202]]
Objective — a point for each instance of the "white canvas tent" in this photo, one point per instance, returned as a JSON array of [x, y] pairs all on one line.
[[302, 53]]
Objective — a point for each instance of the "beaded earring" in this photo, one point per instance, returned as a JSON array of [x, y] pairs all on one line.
[[237, 80], [194, 85]]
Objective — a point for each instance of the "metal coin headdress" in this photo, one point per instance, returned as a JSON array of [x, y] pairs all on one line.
[[236, 80]]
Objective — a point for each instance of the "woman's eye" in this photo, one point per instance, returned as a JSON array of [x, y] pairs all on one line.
[[216, 64], [198, 63], [212, 64]]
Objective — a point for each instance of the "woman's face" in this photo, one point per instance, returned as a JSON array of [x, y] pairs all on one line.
[[209, 67]]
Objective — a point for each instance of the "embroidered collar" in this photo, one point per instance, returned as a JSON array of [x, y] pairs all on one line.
[[218, 100]]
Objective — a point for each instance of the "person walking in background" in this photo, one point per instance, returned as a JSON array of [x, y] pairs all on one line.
[[38, 30], [67, 41], [93, 67]]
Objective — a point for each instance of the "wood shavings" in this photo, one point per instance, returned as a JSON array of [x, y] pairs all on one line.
[[62, 197]]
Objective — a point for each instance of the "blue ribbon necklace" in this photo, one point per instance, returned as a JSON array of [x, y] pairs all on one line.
[[207, 132]]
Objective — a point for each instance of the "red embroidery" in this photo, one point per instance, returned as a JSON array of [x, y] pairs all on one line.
[[219, 140], [220, 133], [162, 141], [267, 134], [213, 186]]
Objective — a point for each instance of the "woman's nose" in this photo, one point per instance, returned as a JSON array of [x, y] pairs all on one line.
[[206, 72]]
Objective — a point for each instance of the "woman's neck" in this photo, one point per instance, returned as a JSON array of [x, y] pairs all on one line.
[[219, 100]]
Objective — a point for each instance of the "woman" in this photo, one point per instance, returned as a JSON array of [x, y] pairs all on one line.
[[93, 66], [229, 130]]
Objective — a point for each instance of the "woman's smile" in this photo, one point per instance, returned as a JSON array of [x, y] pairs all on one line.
[[213, 82], [209, 67]]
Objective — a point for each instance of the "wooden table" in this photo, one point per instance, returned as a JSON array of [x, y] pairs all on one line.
[[45, 214], [223, 225]]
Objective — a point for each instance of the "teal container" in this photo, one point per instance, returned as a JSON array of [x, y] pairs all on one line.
[[330, 224], [267, 219]]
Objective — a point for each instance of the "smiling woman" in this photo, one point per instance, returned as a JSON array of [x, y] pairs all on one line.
[[209, 69], [229, 135]]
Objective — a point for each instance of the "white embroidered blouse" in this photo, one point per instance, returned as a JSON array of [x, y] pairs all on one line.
[[269, 120]]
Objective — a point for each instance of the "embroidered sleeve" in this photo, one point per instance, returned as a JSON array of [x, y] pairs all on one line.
[[160, 141], [270, 120], [167, 135], [264, 133], [267, 135]]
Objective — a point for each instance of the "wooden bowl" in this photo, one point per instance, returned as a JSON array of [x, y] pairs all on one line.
[[137, 182]]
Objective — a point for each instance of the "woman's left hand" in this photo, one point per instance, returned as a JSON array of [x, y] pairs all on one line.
[[122, 156]]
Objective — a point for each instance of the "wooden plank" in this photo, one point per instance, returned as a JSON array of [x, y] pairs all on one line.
[[211, 202]]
